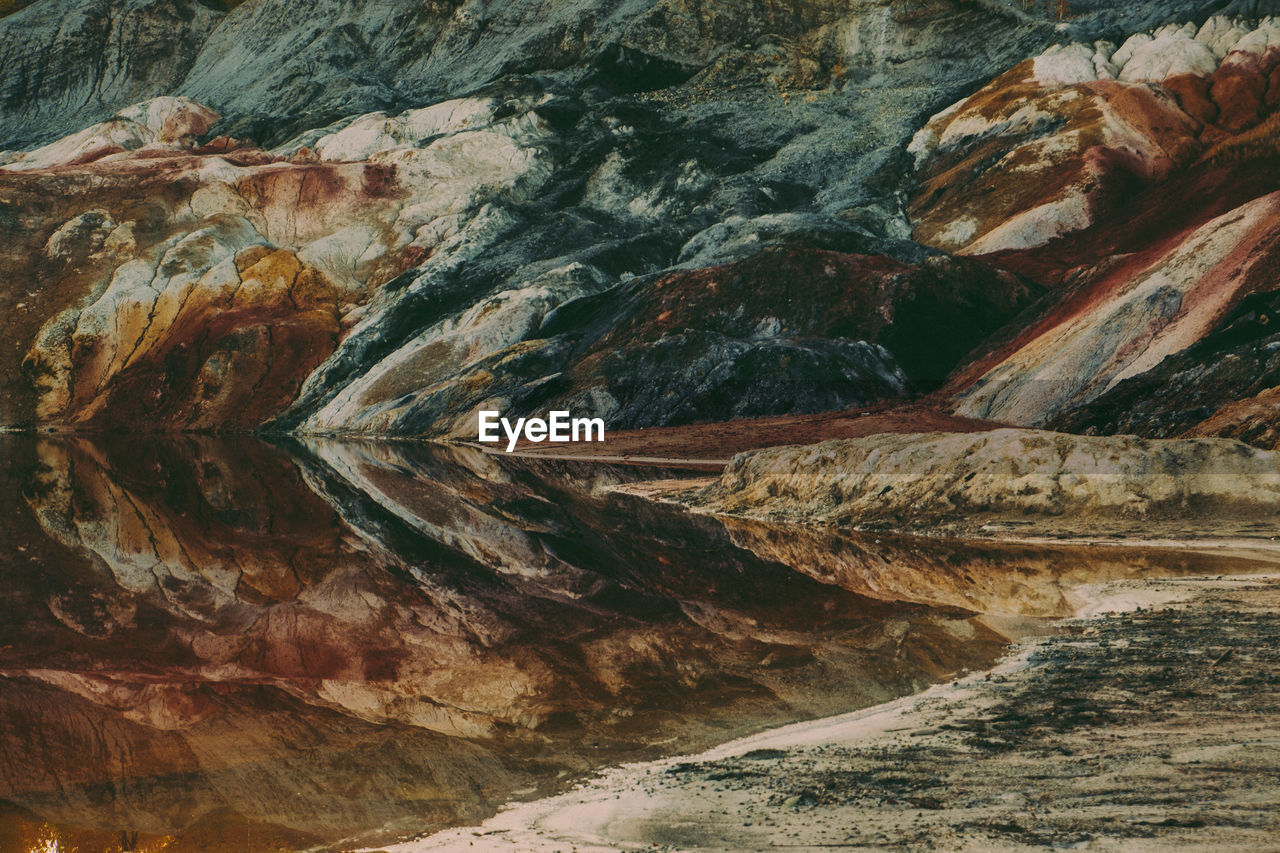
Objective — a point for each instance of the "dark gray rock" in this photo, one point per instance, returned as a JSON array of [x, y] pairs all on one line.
[[70, 63]]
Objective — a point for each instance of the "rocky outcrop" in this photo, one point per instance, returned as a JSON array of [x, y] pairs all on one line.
[[1125, 320], [1140, 184], [162, 124], [72, 63], [1225, 384], [382, 258], [268, 285], [278, 67], [1072, 482], [197, 286], [784, 331], [683, 216], [1050, 146]]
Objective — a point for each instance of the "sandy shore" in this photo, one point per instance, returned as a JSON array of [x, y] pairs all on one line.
[[1151, 721]]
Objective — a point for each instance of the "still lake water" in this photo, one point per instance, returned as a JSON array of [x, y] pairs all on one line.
[[229, 645]]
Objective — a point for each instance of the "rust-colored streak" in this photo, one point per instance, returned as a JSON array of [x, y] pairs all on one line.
[[219, 368]]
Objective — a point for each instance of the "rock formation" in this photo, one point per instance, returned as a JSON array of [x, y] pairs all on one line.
[[1077, 483], [325, 218], [522, 208], [1139, 183]]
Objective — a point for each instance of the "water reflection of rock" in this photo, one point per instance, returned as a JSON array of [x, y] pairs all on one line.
[[358, 637], [996, 577]]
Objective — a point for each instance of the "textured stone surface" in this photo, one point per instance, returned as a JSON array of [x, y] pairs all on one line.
[[784, 331], [1237, 362], [72, 63], [1131, 318], [1053, 144], [202, 284], [526, 205], [1002, 475], [279, 66], [1138, 183]]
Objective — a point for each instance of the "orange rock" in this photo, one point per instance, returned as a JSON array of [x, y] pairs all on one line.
[[1192, 93], [304, 155], [1238, 90]]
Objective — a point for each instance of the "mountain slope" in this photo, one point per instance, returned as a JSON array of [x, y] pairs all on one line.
[[378, 219]]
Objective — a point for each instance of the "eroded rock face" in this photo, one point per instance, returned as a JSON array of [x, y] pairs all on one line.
[[1225, 384], [1140, 182], [1128, 319], [1053, 144], [642, 230], [72, 63], [155, 126], [220, 286], [653, 137], [278, 67], [784, 331], [202, 284]]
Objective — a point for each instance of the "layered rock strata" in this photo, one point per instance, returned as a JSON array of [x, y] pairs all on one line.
[[376, 254], [1139, 183]]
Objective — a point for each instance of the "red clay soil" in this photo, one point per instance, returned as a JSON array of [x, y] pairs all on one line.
[[720, 441]]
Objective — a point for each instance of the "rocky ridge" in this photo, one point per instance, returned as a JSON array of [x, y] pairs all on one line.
[[559, 238], [1001, 476], [1138, 183]]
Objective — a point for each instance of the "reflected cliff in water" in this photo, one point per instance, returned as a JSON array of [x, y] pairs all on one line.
[[226, 645]]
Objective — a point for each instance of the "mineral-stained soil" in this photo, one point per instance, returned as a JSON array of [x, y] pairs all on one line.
[[1150, 725]]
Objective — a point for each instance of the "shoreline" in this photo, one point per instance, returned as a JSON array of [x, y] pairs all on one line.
[[738, 795]]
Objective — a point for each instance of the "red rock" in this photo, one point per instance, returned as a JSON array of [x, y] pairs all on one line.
[[1192, 93], [1273, 88], [1238, 90]]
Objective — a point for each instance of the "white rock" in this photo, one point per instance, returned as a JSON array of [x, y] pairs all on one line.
[[171, 118], [165, 123], [1152, 317], [1165, 57], [1066, 65], [1256, 43], [1220, 34], [86, 232], [1125, 51], [376, 132], [1036, 226], [1104, 68]]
